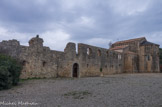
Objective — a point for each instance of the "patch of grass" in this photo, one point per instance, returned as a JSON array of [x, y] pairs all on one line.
[[77, 94], [34, 78]]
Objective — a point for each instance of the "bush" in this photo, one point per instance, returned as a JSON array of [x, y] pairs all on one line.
[[160, 55], [5, 78], [10, 71]]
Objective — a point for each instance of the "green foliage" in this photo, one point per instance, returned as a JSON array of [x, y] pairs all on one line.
[[160, 55], [78, 94], [10, 71], [100, 69]]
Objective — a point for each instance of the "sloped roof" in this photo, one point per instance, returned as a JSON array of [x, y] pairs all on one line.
[[118, 47], [129, 52], [148, 43], [130, 40]]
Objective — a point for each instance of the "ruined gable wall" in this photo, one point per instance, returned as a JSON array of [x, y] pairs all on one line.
[[97, 58], [70, 57]]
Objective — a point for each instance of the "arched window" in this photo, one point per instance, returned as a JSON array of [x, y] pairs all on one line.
[[89, 51], [148, 57], [99, 52]]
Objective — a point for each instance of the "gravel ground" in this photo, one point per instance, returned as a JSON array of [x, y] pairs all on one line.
[[121, 90]]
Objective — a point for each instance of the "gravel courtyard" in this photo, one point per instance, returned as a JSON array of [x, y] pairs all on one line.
[[120, 90]]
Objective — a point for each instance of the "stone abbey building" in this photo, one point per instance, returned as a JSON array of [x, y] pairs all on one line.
[[130, 56]]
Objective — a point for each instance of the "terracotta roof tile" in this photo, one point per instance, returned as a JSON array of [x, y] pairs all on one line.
[[130, 40], [118, 47], [148, 43], [129, 52]]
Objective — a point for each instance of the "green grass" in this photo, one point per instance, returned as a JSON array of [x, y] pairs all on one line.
[[77, 94], [34, 78]]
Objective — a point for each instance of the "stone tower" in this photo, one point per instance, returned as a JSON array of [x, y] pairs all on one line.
[[36, 44]]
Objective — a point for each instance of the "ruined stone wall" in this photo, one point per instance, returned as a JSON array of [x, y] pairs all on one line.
[[41, 62], [70, 57], [11, 47], [92, 59], [38, 61]]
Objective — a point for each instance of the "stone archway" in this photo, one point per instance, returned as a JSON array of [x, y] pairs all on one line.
[[75, 72]]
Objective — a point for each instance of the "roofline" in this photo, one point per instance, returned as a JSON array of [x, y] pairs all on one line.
[[129, 40]]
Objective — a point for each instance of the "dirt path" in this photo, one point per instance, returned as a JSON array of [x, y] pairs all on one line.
[[122, 90]]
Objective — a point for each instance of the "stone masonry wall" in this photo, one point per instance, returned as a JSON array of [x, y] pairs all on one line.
[[149, 58], [41, 62], [92, 59]]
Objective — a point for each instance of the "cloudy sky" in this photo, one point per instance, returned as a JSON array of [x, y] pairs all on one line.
[[95, 22]]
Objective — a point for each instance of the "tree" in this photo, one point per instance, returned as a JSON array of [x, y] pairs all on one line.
[[10, 70], [160, 55]]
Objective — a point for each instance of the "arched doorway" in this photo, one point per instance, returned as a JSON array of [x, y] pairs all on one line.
[[75, 70]]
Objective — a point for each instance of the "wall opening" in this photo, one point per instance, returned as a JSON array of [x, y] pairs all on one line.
[[99, 52], [148, 57], [107, 54], [75, 70], [89, 51], [119, 57], [44, 63]]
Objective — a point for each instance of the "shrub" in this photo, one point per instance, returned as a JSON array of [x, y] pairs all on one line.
[[10, 70], [100, 69], [160, 55]]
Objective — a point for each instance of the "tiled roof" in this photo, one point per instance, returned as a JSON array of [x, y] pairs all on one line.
[[129, 52], [148, 43], [130, 40], [119, 47]]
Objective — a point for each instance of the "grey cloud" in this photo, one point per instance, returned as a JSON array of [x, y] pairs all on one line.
[[38, 17]]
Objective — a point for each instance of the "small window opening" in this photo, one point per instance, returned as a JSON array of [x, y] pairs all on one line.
[[99, 52], [89, 51], [107, 53], [44, 63], [148, 57]]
